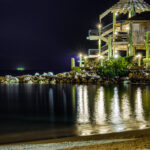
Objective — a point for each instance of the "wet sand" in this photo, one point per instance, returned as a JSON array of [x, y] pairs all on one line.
[[138, 139]]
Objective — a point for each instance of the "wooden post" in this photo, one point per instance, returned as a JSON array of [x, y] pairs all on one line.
[[102, 63], [99, 41], [127, 54], [131, 14], [139, 61], [85, 62], [80, 61], [109, 47], [72, 63], [130, 40], [147, 46], [114, 29]]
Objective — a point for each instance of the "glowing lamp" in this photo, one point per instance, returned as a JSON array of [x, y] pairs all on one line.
[[99, 26], [116, 56]]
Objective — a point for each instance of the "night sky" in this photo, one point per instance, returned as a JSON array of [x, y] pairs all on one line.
[[45, 34]]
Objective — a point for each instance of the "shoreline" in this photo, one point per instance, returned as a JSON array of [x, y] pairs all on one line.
[[136, 139]]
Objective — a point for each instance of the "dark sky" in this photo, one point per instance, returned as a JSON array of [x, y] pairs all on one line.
[[45, 34]]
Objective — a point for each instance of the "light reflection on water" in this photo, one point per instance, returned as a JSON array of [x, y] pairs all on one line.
[[91, 109], [120, 116]]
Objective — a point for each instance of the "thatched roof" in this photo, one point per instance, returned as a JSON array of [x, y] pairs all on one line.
[[124, 6]]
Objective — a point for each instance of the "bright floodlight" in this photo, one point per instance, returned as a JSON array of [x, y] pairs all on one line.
[[116, 33], [100, 56], [80, 55], [127, 28], [116, 56], [99, 26], [139, 55]]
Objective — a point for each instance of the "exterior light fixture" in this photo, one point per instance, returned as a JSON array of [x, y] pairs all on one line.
[[116, 33], [139, 55], [116, 56], [116, 13], [101, 57], [80, 55], [85, 57], [127, 28], [99, 26]]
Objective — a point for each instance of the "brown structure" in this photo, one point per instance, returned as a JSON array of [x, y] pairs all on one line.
[[127, 35]]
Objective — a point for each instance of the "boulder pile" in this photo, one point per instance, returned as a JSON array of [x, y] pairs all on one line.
[[86, 77]]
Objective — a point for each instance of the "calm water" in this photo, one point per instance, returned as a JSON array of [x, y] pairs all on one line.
[[74, 109]]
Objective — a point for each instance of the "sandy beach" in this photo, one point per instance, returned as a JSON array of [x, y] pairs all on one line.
[[138, 139]]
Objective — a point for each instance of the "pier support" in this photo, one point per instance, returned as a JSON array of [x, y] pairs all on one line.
[[147, 59]]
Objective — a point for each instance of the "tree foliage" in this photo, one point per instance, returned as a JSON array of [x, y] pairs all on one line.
[[115, 67]]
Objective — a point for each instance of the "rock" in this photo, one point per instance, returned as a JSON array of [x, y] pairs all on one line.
[[29, 82], [13, 80], [50, 74], [53, 81], [41, 82], [44, 74], [37, 74], [84, 80], [27, 78], [9, 80]]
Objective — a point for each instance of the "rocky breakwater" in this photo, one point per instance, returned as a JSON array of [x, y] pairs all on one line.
[[78, 78], [88, 77], [139, 76], [91, 77], [46, 78]]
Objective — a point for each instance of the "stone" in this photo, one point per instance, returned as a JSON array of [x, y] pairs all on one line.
[[50, 73], [37, 74]]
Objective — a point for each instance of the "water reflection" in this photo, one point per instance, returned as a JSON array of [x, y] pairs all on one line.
[[65, 104], [51, 103], [82, 105], [126, 110], [99, 111], [91, 109], [139, 106], [115, 115]]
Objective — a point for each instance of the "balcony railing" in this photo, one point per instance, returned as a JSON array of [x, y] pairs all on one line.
[[95, 32], [95, 51]]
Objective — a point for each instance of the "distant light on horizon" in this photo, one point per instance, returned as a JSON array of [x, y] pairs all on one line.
[[20, 69]]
